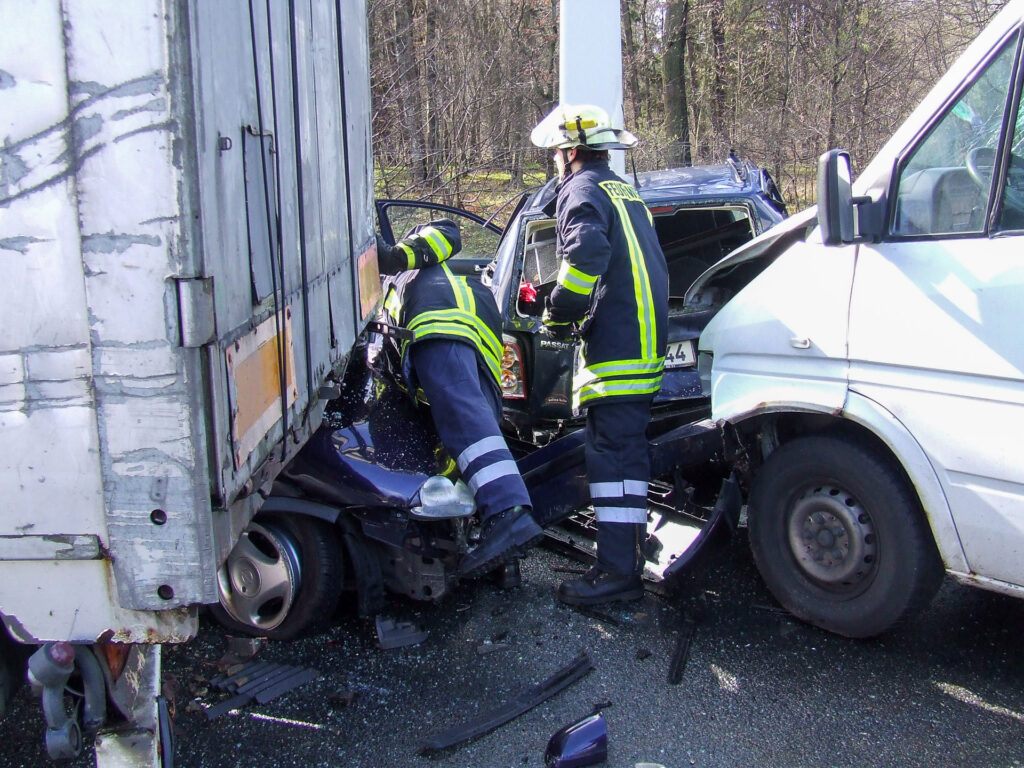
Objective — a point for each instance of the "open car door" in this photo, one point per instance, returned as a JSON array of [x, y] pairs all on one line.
[[479, 237]]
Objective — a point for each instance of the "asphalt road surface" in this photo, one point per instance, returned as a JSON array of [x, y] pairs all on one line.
[[757, 689]]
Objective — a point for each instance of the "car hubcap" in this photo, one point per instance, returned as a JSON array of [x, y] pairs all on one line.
[[832, 537], [260, 579]]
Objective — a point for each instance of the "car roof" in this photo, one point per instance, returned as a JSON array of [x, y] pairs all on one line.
[[700, 181], [712, 183]]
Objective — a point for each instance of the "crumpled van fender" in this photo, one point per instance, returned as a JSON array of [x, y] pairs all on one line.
[[903, 448], [918, 467]]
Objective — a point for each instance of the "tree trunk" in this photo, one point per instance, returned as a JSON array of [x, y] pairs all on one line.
[[412, 110], [719, 96], [677, 119], [631, 63]]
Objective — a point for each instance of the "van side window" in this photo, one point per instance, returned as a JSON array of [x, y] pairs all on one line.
[[945, 182], [1011, 206]]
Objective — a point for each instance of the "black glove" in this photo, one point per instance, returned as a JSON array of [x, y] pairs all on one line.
[[557, 325], [390, 258]]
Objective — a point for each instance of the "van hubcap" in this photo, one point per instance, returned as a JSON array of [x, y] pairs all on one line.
[[832, 537]]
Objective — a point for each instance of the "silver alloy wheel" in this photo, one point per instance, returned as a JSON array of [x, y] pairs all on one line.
[[832, 538], [261, 577]]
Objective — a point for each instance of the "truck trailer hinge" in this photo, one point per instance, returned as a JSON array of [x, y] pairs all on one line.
[[197, 318]]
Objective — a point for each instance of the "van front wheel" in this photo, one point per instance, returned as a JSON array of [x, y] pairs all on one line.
[[839, 537]]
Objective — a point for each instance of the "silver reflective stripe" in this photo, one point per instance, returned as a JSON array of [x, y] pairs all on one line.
[[606, 490], [634, 487], [478, 449], [495, 471], [621, 514], [618, 490]]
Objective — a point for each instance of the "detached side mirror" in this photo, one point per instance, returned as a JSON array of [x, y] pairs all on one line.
[[842, 217]]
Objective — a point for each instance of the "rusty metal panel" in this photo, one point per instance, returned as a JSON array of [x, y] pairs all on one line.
[[71, 600], [259, 365]]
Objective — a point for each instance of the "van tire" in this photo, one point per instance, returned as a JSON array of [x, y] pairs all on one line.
[[305, 554], [840, 538]]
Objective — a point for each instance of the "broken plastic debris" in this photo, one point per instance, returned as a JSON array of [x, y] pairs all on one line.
[[241, 649], [524, 702], [681, 653], [584, 742], [398, 634], [260, 681]]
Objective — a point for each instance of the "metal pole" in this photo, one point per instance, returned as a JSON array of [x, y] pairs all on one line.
[[590, 60]]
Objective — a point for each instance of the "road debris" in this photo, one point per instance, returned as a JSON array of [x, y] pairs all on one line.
[[240, 650], [681, 653], [524, 702], [491, 644], [398, 634], [582, 743], [259, 681]]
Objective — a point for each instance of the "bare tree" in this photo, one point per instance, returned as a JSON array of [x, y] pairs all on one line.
[[458, 84]]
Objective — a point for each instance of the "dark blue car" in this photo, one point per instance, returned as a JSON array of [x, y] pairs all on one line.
[[372, 503], [701, 213]]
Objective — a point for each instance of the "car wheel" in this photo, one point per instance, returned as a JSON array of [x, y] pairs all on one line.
[[839, 537], [282, 578]]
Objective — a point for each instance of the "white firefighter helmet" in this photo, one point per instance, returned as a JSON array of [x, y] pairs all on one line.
[[583, 125]]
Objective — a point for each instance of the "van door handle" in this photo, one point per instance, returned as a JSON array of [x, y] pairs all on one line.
[[800, 342]]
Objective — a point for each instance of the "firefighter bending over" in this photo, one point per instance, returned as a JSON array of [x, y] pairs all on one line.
[[454, 358]]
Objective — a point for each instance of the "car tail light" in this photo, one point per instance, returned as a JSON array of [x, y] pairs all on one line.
[[513, 382]]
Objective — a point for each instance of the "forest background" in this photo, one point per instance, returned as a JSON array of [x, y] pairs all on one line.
[[457, 85]]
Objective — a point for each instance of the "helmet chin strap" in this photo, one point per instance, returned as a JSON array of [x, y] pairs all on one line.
[[566, 162]]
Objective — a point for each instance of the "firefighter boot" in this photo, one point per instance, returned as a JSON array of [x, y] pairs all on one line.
[[503, 537], [617, 575]]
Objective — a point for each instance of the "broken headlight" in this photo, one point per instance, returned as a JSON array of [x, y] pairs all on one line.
[[439, 498], [513, 384]]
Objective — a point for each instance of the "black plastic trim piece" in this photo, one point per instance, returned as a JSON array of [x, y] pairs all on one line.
[[524, 702]]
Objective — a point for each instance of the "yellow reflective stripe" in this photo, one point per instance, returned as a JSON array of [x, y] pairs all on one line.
[[393, 303], [627, 366], [574, 280], [488, 339], [464, 298], [588, 378], [615, 389], [458, 329], [437, 241], [410, 256], [618, 193]]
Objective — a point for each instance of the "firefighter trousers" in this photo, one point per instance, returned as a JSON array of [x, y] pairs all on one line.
[[466, 410], [618, 467]]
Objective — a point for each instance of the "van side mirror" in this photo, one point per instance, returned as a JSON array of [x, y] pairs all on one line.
[[842, 217]]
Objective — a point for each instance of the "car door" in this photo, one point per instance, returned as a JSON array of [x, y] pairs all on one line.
[[479, 236], [938, 306]]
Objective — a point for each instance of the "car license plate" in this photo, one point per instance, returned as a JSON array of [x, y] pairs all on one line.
[[680, 354]]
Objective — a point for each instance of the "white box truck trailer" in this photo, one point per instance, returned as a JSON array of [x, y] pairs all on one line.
[[186, 256]]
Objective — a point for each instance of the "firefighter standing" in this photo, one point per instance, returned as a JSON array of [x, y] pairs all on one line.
[[454, 358], [613, 288]]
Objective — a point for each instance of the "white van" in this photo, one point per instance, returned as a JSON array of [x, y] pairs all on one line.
[[871, 361]]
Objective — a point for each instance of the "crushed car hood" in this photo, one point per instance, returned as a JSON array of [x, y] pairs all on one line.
[[763, 248]]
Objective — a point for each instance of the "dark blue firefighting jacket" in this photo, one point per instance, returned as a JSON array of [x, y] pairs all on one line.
[[432, 302], [613, 280]]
